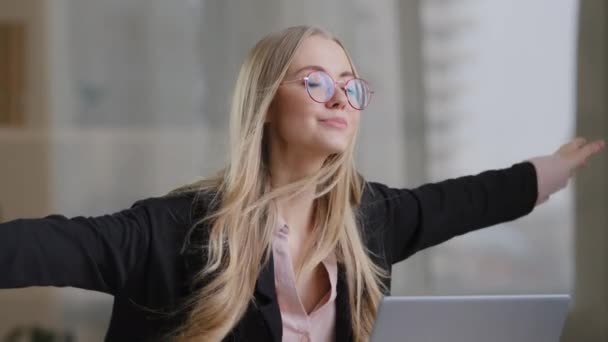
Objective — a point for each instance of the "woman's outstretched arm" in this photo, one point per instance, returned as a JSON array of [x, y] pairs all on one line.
[[94, 253], [414, 219]]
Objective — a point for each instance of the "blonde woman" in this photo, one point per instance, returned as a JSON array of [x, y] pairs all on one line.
[[288, 242]]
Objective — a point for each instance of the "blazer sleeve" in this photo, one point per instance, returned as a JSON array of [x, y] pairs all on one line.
[[94, 253], [415, 219]]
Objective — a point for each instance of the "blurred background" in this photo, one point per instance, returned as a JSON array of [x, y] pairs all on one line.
[[103, 102]]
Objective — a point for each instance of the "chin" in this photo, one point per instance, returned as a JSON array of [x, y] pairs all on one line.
[[333, 148]]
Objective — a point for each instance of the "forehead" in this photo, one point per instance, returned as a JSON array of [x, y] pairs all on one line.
[[323, 52]]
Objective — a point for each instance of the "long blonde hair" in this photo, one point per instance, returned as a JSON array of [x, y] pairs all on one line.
[[241, 228]]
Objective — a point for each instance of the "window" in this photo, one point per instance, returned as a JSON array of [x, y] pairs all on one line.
[[500, 89]]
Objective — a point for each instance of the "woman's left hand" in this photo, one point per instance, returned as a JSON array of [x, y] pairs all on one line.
[[578, 151], [554, 171]]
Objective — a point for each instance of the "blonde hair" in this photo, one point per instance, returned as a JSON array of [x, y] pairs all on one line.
[[241, 228]]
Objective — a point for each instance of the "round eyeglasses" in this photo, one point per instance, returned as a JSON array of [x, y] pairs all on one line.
[[321, 88]]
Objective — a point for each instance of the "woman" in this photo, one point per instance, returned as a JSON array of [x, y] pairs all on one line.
[[288, 242]]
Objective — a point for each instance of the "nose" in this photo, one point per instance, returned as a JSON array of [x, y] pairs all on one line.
[[339, 99]]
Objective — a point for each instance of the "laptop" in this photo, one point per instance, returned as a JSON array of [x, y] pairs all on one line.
[[522, 318]]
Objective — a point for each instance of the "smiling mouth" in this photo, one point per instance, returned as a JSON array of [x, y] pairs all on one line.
[[335, 122]]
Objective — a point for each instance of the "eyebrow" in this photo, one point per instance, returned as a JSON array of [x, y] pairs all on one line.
[[320, 68]]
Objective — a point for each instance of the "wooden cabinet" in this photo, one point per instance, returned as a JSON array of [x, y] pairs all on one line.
[[12, 72]]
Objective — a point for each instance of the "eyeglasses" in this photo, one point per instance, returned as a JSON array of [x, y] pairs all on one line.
[[321, 88]]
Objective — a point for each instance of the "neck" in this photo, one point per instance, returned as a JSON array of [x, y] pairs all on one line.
[[297, 212], [286, 168]]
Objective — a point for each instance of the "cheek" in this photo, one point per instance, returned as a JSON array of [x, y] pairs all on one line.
[[355, 119], [296, 109], [294, 104], [296, 125], [295, 122], [296, 114]]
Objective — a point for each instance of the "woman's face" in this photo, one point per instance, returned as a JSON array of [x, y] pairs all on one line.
[[302, 124]]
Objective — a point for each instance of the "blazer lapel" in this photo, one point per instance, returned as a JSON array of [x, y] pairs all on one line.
[[265, 293], [344, 327], [266, 300]]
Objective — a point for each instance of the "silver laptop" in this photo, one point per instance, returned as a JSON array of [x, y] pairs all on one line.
[[527, 318]]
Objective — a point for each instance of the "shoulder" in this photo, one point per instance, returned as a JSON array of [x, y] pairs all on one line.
[[383, 209], [378, 203], [374, 192], [171, 224], [168, 221], [182, 208], [379, 199]]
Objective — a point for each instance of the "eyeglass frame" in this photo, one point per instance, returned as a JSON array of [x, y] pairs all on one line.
[[306, 78]]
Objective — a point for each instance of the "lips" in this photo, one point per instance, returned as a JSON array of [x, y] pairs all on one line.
[[335, 122]]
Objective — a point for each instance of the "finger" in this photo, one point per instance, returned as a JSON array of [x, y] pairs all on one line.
[[578, 142], [588, 150], [572, 145]]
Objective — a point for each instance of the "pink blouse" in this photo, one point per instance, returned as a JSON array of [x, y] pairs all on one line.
[[319, 325]]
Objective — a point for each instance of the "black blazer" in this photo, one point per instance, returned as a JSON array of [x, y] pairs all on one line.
[[136, 255]]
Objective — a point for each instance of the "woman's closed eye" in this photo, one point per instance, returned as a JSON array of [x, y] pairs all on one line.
[[351, 91], [313, 84]]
